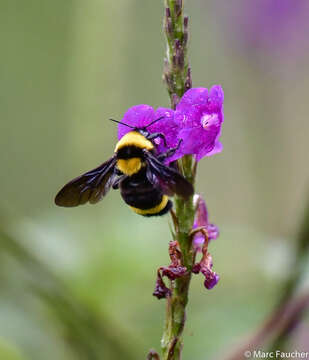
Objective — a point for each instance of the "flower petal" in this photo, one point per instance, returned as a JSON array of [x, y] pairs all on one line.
[[191, 98], [198, 141], [217, 148], [213, 231], [166, 126], [200, 115], [216, 97], [211, 280], [137, 116], [191, 106], [201, 215]]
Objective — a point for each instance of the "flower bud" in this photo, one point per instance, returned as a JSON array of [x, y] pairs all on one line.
[[201, 220]]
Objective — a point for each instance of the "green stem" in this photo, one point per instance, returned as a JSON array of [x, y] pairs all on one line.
[[176, 303], [177, 76]]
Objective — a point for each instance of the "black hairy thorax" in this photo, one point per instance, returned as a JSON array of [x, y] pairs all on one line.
[[128, 152]]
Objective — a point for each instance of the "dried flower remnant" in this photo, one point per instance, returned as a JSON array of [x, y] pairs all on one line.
[[201, 220], [161, 291], [205, 267], [199, 114], [153, 355], [174, 271]]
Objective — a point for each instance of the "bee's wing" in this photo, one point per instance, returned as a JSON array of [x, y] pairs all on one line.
[[169, 179], [91, 186]]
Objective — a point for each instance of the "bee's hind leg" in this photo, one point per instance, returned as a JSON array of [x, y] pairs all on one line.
[[117, 181]]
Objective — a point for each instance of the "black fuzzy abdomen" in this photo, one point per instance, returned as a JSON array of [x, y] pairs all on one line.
[[164, 211], [140, 193]]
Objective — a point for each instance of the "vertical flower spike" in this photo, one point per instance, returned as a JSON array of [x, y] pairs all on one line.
[[201, 220], [176, 63], [200, 115]]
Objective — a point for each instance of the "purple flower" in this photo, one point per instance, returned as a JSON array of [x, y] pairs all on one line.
[[197, 121], [142, 115], [200, 115], [201, 219]]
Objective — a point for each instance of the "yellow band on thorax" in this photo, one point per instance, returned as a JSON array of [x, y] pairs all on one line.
[[129, 166], [155, 210], [134, 138]]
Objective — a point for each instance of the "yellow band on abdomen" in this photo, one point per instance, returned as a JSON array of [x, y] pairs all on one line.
[[156, 209]]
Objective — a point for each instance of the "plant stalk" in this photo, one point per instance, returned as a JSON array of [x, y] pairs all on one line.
[[177, 76]]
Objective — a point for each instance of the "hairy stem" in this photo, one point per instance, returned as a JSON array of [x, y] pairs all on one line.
[[177, 76]]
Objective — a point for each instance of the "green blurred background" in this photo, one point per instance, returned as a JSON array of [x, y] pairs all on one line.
[[77, 283]]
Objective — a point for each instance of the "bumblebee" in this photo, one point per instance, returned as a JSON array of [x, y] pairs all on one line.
[[145, 182]]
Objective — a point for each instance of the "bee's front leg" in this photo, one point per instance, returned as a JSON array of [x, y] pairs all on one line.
[[169, 152], [158, 135]]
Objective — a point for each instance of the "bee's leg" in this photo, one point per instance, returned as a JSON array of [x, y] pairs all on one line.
[[170, 152], [151, 177], [115, 185], [117, 181], [157, 135]]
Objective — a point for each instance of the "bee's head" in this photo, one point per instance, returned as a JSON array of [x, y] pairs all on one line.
[[143, 131]]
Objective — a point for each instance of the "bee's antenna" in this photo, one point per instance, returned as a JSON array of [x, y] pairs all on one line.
[[119, 122], [154, 121]]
